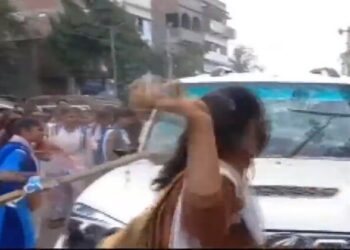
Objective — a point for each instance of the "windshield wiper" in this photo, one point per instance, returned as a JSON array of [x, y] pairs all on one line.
[[320, 113], [331, 116]]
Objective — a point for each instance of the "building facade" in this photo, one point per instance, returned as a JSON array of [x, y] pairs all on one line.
[[216, 34], [141, 10], [198, 22], [166, 25]]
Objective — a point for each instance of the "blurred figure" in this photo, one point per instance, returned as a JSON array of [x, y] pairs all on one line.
[[69, 134], [129, 126], [41, 116], [61, 105], [72, 139], [117, 142], [101, 134], [88, 118], [17, 156], [6, 118]]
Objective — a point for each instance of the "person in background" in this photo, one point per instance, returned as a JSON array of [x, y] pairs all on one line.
[[205, 198], [101, 134], [6, 118], [71, 138], [41, 116], [127, 122], [88, 120], [117, 141], [69, 134], [17, 228]]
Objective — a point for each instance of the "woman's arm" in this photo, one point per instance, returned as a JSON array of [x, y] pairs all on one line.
[[202, 172], [202, 175]]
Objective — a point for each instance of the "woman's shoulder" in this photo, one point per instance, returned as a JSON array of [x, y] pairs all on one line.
[[13, 148]]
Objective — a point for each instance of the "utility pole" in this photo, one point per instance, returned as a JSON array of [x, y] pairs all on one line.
[[346, 55], [170, 61], [113, 57]]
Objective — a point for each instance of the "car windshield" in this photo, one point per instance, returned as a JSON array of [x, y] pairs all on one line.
[[306, 119]]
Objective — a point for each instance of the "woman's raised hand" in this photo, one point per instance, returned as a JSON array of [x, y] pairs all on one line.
[[155, 96]]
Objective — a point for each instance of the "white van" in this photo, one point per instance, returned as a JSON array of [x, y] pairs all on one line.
[[302, 179]]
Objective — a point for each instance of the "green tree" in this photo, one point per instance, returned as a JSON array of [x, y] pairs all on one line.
[[80, 40], [10, 28], [244, 60]]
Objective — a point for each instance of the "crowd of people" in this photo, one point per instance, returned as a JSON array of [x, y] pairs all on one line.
[[51, 145]]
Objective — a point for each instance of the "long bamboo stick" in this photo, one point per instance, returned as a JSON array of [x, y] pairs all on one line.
[[52, 183]]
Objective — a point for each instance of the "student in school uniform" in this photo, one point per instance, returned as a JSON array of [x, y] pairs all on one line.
[[17, 163], [72, 139]]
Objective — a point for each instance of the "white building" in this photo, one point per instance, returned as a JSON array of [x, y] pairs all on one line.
[[141, 9], [217, 34]]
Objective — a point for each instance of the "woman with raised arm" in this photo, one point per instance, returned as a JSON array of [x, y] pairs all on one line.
[[205, 200]]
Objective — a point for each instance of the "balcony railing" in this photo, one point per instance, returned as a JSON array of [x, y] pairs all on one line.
[[218, 58], [181, 34], [222, 29], [192, 5]]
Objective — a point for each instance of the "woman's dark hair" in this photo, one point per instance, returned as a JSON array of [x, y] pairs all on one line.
[[231, 110], [15, 126]]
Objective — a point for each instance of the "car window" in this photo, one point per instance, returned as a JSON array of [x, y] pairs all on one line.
[[296, 113], [165, 132]]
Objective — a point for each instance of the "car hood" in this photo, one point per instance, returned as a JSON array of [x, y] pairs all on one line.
[[125, 192], [305, 213]]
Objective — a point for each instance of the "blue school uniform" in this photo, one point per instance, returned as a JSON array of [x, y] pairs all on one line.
[[17, 228]]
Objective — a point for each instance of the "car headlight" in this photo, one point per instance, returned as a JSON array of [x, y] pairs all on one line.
[[87, 227], [297, 240], [288, 240]]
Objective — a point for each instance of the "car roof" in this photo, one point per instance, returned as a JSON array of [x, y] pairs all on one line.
[[263, 77]]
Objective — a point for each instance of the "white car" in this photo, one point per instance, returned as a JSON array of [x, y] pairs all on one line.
[[302, 179]]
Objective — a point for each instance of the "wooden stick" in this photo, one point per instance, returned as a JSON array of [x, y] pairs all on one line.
[[52, 183]]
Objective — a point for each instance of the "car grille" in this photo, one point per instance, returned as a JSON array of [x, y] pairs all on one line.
[[294, 191], [299, 240]]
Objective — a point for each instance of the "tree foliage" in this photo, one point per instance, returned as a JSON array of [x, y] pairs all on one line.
[[81, 41], [9, 29], [244, 60]]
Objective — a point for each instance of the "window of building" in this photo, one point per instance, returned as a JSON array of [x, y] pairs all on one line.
[[139, 25], [172, 20], [186, 21], [196, 25]]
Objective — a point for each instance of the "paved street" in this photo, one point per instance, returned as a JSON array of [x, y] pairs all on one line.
[[47, 236]]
